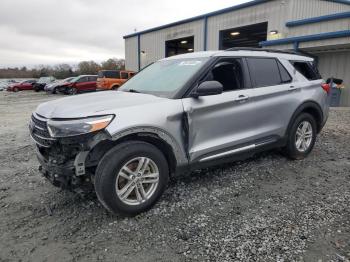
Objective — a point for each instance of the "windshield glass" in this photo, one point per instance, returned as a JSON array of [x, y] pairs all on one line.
[[44, 79], [164, 78]]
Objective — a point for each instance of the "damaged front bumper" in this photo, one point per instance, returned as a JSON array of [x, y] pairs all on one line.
[[65, 162]]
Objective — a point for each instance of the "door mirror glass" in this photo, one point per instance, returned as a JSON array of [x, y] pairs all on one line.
[[208, 88]]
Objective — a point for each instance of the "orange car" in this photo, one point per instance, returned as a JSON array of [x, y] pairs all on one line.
[[112, 79]]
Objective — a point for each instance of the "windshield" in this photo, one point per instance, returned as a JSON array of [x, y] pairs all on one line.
[[67, 80], [44, 79], [164, 78]]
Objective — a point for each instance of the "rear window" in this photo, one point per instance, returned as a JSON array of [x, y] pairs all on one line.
[[307, 69], [264, 72], [109, 74], [124, 75]]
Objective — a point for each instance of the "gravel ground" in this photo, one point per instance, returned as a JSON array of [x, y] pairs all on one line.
[[266, 208]]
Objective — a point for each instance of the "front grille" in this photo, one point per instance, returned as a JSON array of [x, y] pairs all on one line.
[[39, 131]]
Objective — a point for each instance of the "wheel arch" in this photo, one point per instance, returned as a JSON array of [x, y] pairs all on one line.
[[313, 109], [163, 141]]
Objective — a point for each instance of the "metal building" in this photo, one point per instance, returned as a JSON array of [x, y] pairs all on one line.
[[319, 27]]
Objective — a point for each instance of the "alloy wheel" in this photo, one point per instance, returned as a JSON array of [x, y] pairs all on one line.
[[303, 136], [137, 181]]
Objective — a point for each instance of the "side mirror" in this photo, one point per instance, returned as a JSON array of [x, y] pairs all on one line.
[[208, 88]]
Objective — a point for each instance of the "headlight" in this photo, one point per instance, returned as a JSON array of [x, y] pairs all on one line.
[[67, 128]]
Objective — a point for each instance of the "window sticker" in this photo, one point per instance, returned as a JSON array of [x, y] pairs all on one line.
[[190, 63]]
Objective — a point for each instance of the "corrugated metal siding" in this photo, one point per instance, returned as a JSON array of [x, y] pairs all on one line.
[[131, 54], [337, 64], [300, 9], [273, 12], [153, 44]]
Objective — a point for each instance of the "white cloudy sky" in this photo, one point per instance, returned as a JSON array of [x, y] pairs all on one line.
[[36, 32]]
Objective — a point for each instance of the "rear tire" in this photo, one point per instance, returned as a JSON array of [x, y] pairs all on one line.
[[115, 88], [119, 168], [15, 89], [302, 137]]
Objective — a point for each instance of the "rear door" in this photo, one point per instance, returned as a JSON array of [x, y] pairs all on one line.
[[82, 84], [274, 95], [92, 82]]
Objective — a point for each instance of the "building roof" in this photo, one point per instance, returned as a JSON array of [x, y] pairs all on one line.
[[218, 12], [195, 18]]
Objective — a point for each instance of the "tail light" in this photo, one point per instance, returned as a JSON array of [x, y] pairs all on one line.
[[326, 87]]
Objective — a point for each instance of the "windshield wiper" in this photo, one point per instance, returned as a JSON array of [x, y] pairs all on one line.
[[133, 91]]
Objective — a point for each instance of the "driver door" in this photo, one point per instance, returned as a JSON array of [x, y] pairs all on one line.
[[220, 123]]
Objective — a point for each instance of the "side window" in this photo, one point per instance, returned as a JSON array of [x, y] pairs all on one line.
[[229, 73], [83, 79], [92, 78], [306, 69], [285, 76], [264, 72], [124, 75]]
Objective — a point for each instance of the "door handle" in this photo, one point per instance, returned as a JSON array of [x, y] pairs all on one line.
[[292, 88], [242, 98]]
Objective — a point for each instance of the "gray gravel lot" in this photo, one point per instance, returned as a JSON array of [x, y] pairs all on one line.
[[266, 208]]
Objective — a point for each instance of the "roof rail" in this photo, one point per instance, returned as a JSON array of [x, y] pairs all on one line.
[[262, 49]]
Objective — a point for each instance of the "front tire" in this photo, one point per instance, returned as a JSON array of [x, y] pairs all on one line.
[[72, 91], [131, 177], [302, 137]]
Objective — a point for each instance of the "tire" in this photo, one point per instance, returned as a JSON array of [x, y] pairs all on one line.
[[294, 149], [115, 88], [54, 91], [15, 89], [72, 91], [108, 174], [36, 89]]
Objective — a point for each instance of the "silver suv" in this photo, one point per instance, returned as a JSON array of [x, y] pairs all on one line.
[[179, 114]]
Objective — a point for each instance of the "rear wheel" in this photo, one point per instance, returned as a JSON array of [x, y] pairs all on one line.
[[115, 87], [302, 137], [15, 89], [131, 177]]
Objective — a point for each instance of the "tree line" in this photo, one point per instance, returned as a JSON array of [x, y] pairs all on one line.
[[62, 71]]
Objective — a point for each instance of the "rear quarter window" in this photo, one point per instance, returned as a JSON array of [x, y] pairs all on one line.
[[307, 69]]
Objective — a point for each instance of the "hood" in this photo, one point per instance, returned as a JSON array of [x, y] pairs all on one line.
[[97, 103]]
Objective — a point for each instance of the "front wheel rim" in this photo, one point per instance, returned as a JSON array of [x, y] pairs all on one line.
[[303, 136], [137, 181]]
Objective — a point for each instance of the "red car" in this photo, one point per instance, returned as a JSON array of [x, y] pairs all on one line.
[[24, 85], [83, 83]]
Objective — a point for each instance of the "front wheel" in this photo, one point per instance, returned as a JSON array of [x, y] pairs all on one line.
[[72, 91], [131, 177], [302, 137]]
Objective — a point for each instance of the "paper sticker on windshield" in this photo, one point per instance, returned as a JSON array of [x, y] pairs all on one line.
[[190, 63]]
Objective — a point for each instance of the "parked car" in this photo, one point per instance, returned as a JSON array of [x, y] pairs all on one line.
[[24, 85], [112, 79], [179, 114], [53, 87], [83, 83], [42, 82]]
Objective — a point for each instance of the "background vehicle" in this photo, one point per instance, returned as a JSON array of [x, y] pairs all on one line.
[[180, 113], [82, 83], [42, 82], [53, 87], [24, 85], [112, 79]]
